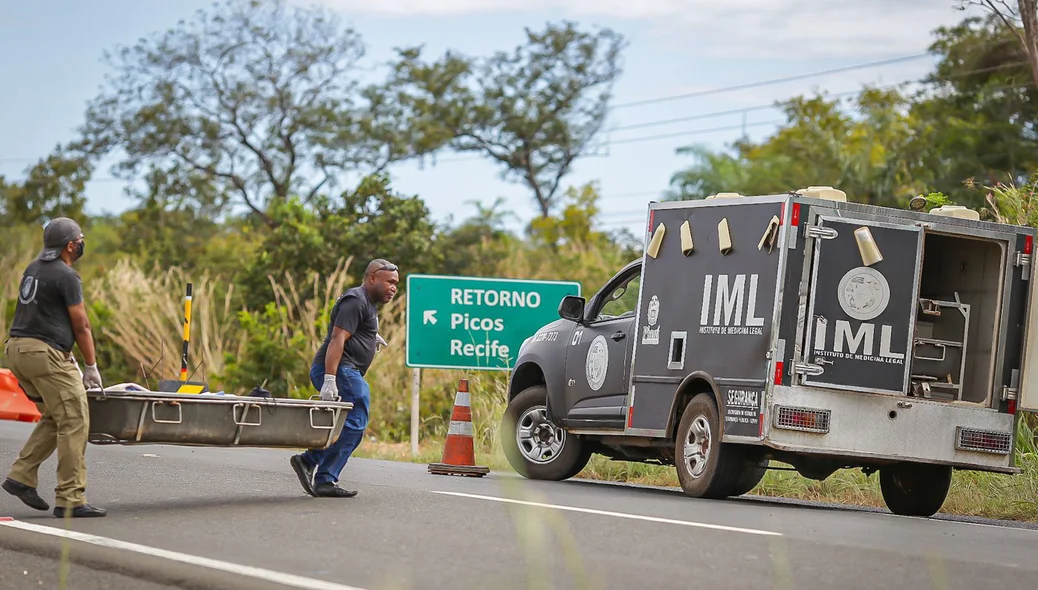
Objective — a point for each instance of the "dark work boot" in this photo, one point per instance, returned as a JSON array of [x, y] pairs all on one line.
[[330, 490], [84, 511], [304, 473], [25, 494]]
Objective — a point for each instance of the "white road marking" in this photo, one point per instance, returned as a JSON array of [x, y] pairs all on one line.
[[233, 568], [617, 514]]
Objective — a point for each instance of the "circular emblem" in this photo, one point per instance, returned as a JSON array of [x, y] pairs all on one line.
[[27, 293], [864, 293], [597, 363], [654, 310]]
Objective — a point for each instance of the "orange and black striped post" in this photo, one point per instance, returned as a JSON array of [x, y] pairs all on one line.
[[187, 335]]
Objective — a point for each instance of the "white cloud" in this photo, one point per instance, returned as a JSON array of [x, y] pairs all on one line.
[[727, 28]]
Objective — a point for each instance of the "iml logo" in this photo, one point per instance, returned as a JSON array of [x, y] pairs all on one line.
[[730, 305], [857, 345]]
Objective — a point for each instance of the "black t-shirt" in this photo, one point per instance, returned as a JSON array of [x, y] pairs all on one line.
[[45, 293], [355, 313]]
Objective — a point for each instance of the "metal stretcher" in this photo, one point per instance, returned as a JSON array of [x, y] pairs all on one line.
[[129, 414]]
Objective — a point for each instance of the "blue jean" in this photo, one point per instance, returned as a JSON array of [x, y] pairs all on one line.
[[352, 388]]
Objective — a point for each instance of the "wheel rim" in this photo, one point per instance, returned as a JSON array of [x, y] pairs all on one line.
[[539, 440], [697, 446]]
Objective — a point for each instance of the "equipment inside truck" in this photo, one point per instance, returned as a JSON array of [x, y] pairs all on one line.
[[957, 327]]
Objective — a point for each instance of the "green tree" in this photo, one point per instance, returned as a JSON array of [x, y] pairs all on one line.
[[1021, 21], [978, 119], [869, 151], [55, 186], [479, 243], [534, 111], [260, 99], [371, 221], [711, 173]]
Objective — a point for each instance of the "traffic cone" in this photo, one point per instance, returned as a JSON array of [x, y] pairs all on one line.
[[13, 403], [459, 454]]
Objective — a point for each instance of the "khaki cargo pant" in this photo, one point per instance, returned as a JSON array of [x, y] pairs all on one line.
[[48, 374]]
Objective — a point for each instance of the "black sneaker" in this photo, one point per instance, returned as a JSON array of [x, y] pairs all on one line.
[[84, 511], [25, 494], [304, 473], [330, 490]]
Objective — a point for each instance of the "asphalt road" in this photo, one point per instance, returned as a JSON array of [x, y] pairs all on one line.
[[237, 518]]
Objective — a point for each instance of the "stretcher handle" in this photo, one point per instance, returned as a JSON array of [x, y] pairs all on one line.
[[245, 413], [334, 416], [180, 413]]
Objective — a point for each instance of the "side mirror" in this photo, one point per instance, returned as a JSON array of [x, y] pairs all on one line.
[[572, 308]]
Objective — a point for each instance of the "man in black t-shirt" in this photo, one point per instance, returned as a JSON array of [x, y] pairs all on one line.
[[338, 372], [50, 317]]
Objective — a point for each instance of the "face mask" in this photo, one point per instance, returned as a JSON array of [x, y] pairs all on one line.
[[80, 247]]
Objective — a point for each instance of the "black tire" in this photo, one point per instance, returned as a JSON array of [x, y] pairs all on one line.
[[915, 489], [716, 472], [526, 410], [749, 476]]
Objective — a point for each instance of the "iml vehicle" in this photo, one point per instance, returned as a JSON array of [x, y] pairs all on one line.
[[799, 328]]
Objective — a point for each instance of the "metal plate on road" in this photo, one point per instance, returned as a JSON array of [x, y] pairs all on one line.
[[476, 323]]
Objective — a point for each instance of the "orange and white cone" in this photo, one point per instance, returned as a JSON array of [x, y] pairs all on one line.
[[459, 454]]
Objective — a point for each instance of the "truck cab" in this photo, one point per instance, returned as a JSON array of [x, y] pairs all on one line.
[[794, 327]]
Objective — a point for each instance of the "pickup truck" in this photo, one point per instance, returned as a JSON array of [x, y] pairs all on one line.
[[799, 328]]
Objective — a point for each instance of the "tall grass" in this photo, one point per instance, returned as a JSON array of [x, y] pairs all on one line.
[[142, 316]]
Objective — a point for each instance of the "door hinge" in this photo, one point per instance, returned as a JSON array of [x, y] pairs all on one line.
[[808, 369], [1008, 393], [821, 233]]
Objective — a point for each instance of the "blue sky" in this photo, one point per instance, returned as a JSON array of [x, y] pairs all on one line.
[[52, 66]]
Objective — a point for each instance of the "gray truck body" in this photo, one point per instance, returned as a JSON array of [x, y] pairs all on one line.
[[814, 353]]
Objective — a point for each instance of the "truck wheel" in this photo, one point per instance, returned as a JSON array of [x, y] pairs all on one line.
[[536, 448], [749, 477], [915, 489], [706, 468]]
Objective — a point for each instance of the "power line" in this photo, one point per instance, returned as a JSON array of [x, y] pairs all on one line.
[[769, 82], [692, 132], [847, 93], [666, 122]]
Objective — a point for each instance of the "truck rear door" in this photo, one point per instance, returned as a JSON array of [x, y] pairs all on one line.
[[1027, 399], [862, 303]]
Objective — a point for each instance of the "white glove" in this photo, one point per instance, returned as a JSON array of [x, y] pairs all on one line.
[[380, 342], [91, 377], [329, 392]]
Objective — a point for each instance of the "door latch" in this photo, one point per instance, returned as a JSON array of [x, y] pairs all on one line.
[[808, 369], [618, 335], [821, 233]]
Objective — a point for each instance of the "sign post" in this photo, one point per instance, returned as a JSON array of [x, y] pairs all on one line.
[[473, 323], [416, 387]]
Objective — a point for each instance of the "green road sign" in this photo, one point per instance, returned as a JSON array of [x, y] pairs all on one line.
[[476, 323]]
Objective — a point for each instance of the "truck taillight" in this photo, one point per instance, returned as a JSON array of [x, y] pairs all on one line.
[[795, 217], [1012, 406], [1028, 244], [802, 419], [778, 372], [983, 441]]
